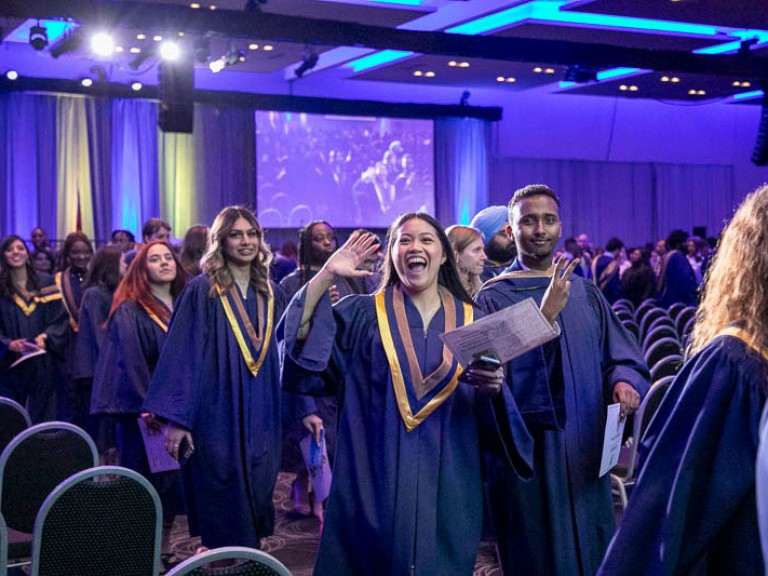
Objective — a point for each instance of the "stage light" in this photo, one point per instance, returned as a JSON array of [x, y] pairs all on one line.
[[170, 51], [229, 59], [308, 62], [12, 75], [217, 65], [102, 44], [38, 37]]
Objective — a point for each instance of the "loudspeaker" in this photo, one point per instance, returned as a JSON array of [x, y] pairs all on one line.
[[176, 92], [760, 154]]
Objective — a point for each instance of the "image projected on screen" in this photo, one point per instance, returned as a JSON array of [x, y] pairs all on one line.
[[350, 171]]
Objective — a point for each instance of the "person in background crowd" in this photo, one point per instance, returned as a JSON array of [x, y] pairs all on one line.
[[32, 318], [106, 270], [406, 494], [696, 250], [44, 261], [693, 508], [676, 281], [638, 283], [217, 384], [468, 249], [137, 325], [156, 229], [40, 240], [193, 248], [75, 257], [571, 252], [560, 522], [124, 239], [606, 270], [656, 255], [499, 248], [285, 261]]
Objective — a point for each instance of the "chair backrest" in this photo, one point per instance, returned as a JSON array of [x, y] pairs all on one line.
[[624, 314], [13, 420], [657, 334], [650, 317], [642, 419], [37, 461], [682, 319], [644, 308], [625, 303], [667, 366], [687, 329], [674, 309], [660, 321], [255, 562], [660, 349], [105, 520], [632, 329], [3, 546]]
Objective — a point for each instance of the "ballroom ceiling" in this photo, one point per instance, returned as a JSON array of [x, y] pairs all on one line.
[[687, 51]]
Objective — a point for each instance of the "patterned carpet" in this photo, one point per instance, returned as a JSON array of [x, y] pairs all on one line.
[[296, 538]]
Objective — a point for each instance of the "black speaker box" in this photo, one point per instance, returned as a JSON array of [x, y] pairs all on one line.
[[176, 92]]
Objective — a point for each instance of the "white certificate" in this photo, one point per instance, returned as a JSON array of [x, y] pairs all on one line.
[[614, 431], [507, 333]]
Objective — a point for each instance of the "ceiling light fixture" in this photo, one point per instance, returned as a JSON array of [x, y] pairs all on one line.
[[102, 44], [12, 75], [38, 37]]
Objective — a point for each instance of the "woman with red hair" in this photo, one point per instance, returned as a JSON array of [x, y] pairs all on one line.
[[137, 325]]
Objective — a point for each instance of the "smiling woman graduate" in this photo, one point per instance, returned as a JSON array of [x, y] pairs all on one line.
[[218, 384], [406, 494]]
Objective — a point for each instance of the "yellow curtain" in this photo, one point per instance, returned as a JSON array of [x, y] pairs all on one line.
[[73, 166], [177, 180]]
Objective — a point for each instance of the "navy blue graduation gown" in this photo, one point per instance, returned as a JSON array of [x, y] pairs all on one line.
[[561, 521], [677, 282], [34, 382], [202, 383], [608, 280], [762, 485], [401, 502], [693, 509], [94, 310]]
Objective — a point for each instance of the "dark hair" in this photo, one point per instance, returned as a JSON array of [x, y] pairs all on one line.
[[448, 275], [69, 243], [153, 225], [48, 254], [193, 248], [676, 239], [305, 248], [7, 288], [128, 233], [105, 268], [614, 244], [643, 254], [529, 191]]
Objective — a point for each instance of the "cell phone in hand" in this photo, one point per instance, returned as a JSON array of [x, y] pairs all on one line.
[[185, 451], [486, 361]]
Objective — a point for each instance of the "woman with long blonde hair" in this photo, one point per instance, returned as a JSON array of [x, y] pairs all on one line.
[[468, 248], [217, 384], [693, 508]]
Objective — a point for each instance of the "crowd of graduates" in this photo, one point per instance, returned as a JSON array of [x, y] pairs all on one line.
[[234, 354]]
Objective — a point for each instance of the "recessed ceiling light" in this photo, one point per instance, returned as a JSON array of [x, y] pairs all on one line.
[[700, 92], [500, 78], [510, 79], [118, 49], [675, 79], [102, 44], [180, 34], [418, 73], [135, 50], [12, 75], [141, 36], [86, 82], [253, 46], [212, 6], [623, 87], [194, 5], [463, 64], [268, 47], [429, 74], [549, 70], [453, 63], [136, 86], [665, 78], [633, 88], [538, 70], [157, 38]]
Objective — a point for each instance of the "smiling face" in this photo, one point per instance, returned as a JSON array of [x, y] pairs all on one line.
[[472, 258], [80, 255], [161, 267], [16, 255], [242, 244], [417, 255], [536, 229]]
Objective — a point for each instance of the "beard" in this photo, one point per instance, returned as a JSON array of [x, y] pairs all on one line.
[[500, 253]]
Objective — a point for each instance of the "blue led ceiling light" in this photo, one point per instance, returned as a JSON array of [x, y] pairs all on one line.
[[400, 2], [614, 73], [378, 59], [748, 95]]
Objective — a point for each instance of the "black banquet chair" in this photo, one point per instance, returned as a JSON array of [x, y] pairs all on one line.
[[13, 420], [253, 563], [624, 303], [100, 522], [650, 317], [31, 466], [683, 317], [675, 309], [667, 366], [3, 546], [632, 328], [660, 349], [657, 334]]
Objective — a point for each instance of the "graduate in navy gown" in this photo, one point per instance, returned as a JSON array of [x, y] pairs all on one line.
[[561, 521], [762, 486], [406, 496], [217, 383], [32, 317], [676, 281], [106, 270], [137, 325], [75, 257], [693, 508]]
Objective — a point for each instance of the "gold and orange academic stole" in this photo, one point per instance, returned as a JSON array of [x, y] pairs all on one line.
[[154, 317], [47, 294], [64, 282], [747, 338], [448, 371], [260, 341]]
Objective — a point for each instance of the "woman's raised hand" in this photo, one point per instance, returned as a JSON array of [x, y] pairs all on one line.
[[347, 259], [556, 296]]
